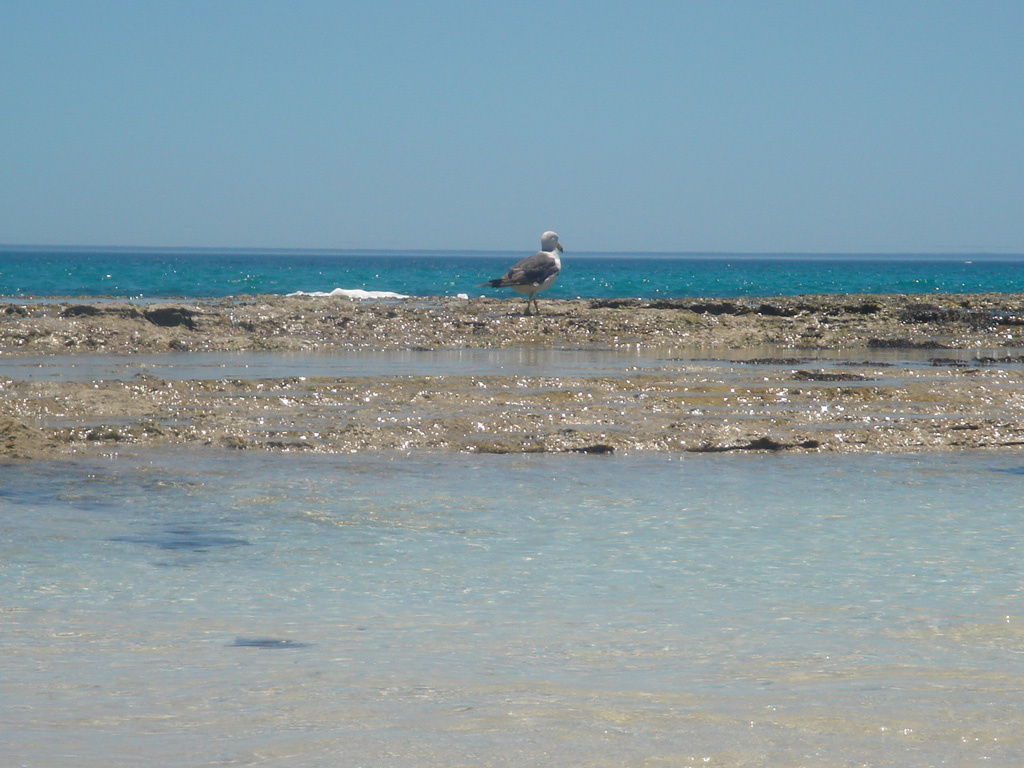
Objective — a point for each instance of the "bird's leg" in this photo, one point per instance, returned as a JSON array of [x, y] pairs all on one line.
[[528, 312]]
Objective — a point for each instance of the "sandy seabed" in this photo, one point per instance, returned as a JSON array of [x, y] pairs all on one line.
[[807, 373]]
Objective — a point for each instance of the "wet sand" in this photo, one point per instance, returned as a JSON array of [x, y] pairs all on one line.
[[810, 373]]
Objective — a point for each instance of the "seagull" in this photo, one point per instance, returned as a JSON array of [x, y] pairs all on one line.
[[534, 273]]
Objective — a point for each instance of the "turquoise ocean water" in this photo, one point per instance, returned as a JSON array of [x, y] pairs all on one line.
[[157, 274], [212, 607]]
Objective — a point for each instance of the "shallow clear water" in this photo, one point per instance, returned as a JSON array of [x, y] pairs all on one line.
[[527, 361], [223, 608], [530, 361]]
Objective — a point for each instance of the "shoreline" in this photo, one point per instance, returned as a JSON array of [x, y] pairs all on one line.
[[833, 373]]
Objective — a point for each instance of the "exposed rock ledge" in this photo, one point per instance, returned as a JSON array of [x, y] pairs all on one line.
[[967, 393]]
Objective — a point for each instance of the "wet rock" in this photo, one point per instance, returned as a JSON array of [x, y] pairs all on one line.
[[757, 444], [82, 310], [104, 433], [1004, 318], [616, 303], [171, 317], [904, 343], [775, 361], [597, 448], [720, 308], [506, 446], [20, 441], [290, 445], [932, 313], [773, 310], [864, 308], [94, 311], [828, 376], [1004, 360]]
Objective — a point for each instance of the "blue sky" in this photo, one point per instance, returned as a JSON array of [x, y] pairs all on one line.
[[648, 126]]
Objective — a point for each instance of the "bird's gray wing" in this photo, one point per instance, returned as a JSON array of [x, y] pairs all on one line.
[[531, 270]]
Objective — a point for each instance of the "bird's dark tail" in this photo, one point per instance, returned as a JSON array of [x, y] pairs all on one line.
[[495, 283]]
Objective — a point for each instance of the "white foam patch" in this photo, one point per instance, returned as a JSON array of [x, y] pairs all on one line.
[[352, 293]]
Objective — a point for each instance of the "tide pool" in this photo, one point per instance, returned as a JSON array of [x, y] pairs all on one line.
[[224, 608]]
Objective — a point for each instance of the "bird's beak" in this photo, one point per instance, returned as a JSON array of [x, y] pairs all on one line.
[[559, 245]]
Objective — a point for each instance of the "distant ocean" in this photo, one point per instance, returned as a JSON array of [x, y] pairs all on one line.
[[157, 273]]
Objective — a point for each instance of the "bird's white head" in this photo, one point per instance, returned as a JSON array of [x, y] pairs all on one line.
[[549, 242]]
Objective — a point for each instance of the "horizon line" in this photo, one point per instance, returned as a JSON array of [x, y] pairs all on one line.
[[479, 251]]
